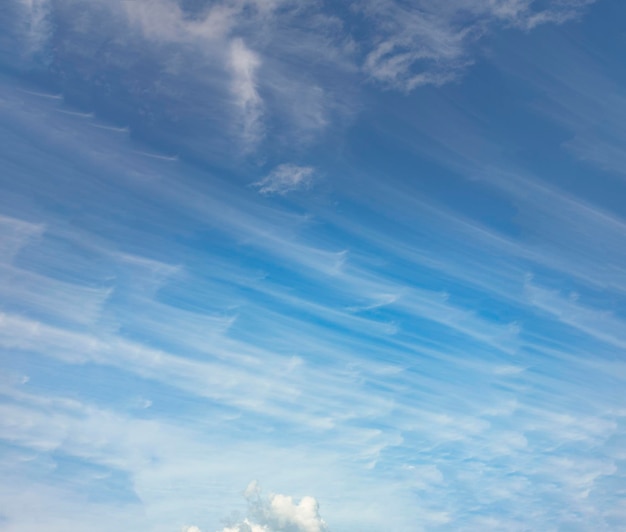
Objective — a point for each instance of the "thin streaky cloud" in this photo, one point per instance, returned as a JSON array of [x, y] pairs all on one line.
[[354, 253], [244, 65]]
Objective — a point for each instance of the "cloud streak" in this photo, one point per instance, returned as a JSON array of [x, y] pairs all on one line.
[[244, 65], [431, 316]]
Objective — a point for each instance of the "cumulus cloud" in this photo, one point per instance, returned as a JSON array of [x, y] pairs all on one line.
[[278, 513], [286, 178], [246, 526]]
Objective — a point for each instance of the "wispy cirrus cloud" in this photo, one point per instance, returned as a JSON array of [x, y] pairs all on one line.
[[36, 25], [426, 43], [206, 61], [286, 178], [355, 357], [244, 64], [166, 334]]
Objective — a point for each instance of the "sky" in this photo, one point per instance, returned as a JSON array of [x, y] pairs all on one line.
[[312, 266]]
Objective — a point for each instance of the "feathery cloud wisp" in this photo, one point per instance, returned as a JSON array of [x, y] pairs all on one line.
[[244, 64], [430, 43], [286, 178]]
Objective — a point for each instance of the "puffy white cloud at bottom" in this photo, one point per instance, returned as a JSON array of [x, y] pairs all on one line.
[[246, 526], [276, 513]]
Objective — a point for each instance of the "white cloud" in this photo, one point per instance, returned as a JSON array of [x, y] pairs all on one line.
[[278, 513], [286, 178], [303, 515], [167, 21], [246, 526], [37, 25], [244, 64], [191, 60], [430, 43]]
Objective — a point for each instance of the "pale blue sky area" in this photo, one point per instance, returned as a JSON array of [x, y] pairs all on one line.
[[308, 266]]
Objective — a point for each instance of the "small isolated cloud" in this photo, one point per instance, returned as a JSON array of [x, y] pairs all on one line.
[[278, 513], [191, 529], [286, 178]]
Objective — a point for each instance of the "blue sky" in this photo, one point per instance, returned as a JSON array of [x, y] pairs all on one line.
[[278, 266]]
